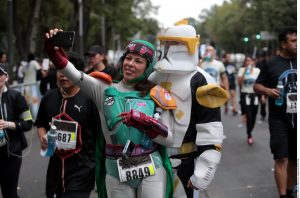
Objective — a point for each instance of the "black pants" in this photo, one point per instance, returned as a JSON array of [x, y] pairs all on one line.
[[9, 173], [249, 104], [263, 107]]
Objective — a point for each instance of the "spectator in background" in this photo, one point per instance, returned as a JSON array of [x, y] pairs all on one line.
[[97, 61], [231, 71], [30, 83], [248, 99], [214, 67], [14, 121], [282, 69], [20, 74], [30, 70], [48, 79], [3, 57]]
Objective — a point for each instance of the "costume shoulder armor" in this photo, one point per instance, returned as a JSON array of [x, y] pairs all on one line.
[[211, 96], [162, 98], [102, 76]]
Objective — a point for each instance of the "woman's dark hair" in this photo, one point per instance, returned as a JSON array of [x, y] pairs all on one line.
[[144, 87], [248, 56], [30, 57]]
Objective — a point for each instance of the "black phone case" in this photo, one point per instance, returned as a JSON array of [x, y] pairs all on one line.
[[64, 39]]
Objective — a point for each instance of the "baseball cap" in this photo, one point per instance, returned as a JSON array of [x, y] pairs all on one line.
[[95, 49], [3, 69]]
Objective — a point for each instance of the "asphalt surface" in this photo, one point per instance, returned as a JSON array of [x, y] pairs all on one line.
[[245, 171]]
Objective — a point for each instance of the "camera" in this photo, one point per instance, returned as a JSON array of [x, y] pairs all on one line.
[[64, 39]]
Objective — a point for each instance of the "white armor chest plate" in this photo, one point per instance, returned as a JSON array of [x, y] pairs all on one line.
[[179, 87]]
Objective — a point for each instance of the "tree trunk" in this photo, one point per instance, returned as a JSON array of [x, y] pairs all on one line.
[[34, 23]]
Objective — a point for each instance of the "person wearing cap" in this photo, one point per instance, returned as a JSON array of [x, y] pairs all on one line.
[[15, 119], [97, 61], [134, 120], [71, 170]]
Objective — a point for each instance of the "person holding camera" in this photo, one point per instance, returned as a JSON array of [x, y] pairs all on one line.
[[134, 120]]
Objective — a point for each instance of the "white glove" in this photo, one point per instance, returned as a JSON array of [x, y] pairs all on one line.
[[205, 168]]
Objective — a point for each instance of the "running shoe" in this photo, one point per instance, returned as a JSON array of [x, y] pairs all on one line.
[[250, 141], [234, 113]]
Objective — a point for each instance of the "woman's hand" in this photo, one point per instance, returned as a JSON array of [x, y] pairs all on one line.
[[56, 54]]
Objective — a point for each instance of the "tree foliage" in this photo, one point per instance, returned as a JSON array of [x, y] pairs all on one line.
[[32, 18], [228, 24]]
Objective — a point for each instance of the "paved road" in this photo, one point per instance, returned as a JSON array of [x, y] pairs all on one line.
[[245, 171]]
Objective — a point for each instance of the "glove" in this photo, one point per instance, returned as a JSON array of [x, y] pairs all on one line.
[[205, 168], [145, 123], [58, 57]]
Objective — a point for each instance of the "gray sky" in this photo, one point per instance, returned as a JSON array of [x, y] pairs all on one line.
[[171, 11]]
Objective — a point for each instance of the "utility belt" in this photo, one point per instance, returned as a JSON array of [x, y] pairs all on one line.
[[186, 150], [183, 157], [116, 151]]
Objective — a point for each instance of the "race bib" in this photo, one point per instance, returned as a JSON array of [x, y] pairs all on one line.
[[291, 103], [66, 134], [135, 168]]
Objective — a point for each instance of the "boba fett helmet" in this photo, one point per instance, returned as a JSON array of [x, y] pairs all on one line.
[[144, 49]]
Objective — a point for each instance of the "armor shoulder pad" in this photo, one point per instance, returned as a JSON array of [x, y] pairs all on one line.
[[102, 76], [162, 98], [211, 96]]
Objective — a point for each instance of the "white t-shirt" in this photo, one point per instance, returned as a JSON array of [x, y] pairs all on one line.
[[30, 70], [249, 79], [215, 68]]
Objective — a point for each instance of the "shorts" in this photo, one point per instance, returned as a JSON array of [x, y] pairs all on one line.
[[283, 141]]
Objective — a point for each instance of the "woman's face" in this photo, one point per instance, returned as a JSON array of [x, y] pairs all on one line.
[[133, 66], [3, 79], [249, 61]]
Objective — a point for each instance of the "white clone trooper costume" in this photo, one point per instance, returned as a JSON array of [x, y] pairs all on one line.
[[197, 128]]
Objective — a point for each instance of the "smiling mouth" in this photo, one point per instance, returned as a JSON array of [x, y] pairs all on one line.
[[63, 81], [128, 71]]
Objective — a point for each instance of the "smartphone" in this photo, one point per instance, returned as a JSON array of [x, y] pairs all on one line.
[[64, 39], [128, 149]]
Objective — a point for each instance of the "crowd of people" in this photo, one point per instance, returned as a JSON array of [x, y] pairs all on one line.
[[148, 127]]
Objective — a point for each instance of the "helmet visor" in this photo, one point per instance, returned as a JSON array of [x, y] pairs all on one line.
[[191, 43]]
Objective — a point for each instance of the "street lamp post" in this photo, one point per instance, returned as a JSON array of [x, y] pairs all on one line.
[[103, 27], [80, 28]]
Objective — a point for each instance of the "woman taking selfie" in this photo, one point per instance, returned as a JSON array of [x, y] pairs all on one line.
[[134, 120]]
